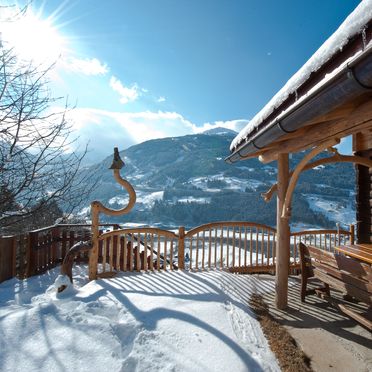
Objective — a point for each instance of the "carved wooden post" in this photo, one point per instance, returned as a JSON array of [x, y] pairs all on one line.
[[181, 248], [283, 236], [97, 208]]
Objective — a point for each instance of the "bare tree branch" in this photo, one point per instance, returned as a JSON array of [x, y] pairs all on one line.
[[36, 171]]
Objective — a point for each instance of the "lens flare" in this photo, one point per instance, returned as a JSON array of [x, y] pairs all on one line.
[[33, 38]]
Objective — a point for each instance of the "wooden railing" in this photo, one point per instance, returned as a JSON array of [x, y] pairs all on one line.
[[233, 245], [238, 246], [39, 250], [323, 239], [137, 249]]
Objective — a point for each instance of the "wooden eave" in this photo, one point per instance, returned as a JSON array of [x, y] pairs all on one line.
[[350, 117]]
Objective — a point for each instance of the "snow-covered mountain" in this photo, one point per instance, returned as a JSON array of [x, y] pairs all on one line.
[[185, 181]]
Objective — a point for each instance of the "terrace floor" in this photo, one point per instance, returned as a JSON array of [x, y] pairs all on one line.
[[329, 338]]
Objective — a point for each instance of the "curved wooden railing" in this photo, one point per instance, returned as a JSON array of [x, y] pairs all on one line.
[[230, 245], [137, 249], [324, 239], [239, 246]]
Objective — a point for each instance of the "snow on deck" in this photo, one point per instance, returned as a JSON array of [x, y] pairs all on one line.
[[353, 24], [170, 321]]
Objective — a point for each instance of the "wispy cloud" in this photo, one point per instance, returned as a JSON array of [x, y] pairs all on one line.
[[236, 125], [161, 99], [124, 129], [86, 66], [126, 94]]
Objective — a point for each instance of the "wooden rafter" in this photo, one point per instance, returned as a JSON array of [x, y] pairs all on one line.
[[296, 173], [336, 158], [358, 120]]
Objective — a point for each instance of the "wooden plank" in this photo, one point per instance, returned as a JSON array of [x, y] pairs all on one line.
[[362, 318], [240, 246], [191, 240], [152, 253], [342, 262], [362, 252], [357, 121], [343, 287], [171, 254], [358, 317], [130, 245], [221, 247], [7, 257], [250, 247], [233, 246], [203, 249], [245, 245], [158, 254], [111, 252], [227, 246], [346, 277], [215, 247], [138, 257], [125, 253], [209, 248], [197, 252], [252, 269], [145, 252]]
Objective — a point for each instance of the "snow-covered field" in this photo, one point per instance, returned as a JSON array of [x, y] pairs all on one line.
[[169, 321], [339, 211]]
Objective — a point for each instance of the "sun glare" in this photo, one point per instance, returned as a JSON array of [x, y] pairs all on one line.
[[34, 38]]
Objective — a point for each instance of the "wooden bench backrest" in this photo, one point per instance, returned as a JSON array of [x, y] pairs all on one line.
[[340, 272]]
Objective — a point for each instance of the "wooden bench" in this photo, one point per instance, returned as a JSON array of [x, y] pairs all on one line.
[[345, 274]]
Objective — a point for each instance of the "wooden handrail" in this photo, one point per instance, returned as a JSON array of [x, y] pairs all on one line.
[[144, 230], [320, 232], [200, 228]]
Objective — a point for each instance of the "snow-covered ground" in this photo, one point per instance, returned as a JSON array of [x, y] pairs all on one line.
[[144, 197], [232, 183], [339, 211], [169, 321]]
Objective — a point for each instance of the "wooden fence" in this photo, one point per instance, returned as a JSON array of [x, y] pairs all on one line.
[[37, 251], [231, 245], [238, 246]]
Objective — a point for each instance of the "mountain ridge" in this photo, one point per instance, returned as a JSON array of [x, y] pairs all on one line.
[[185, 181]]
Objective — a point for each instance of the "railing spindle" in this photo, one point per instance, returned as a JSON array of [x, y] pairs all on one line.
[[209, 248], [221, 248], [152, 253], [197, 252], [203, 249]]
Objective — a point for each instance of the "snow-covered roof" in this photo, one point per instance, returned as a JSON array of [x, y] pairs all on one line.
[[354, 24]]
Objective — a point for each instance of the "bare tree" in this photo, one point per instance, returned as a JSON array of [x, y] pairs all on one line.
[[37, 166]]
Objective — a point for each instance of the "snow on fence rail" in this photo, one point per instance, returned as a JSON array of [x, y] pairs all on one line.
[[238, 246]]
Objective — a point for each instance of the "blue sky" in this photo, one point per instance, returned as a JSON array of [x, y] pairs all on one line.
[[143, 69]]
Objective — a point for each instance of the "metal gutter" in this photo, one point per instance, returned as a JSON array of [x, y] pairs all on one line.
[[354, 80]]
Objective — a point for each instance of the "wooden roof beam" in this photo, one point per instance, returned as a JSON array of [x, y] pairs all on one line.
[[358, 120]]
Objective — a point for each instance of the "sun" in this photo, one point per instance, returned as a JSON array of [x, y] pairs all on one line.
[[33, 38]]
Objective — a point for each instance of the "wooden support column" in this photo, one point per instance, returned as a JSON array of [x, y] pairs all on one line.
[[283, 236], [362, 146]]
